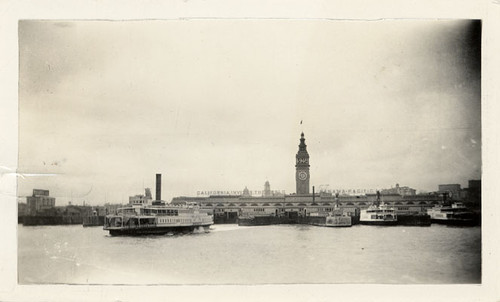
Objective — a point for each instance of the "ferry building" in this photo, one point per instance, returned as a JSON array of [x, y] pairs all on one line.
[[305, 200]]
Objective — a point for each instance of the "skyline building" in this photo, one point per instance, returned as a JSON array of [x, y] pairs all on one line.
[[302, 175]]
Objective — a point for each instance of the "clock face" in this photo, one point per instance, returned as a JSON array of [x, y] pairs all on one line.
[[302, 175]]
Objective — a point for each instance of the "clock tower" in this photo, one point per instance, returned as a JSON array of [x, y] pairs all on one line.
[[302, 167]]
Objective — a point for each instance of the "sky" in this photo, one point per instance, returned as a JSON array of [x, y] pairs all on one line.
[[217, 105]]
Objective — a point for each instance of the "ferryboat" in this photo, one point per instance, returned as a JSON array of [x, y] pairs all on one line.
[[378, 215], [452, 214], [157, 219], [337, 218]]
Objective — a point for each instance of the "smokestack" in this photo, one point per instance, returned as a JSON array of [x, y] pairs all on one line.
[[158, 186], [313, 194]]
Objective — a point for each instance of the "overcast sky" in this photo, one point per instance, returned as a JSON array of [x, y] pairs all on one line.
[[217, 105]]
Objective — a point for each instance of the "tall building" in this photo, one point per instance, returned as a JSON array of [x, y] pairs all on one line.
[[267, 189], [246, 192], [453, 191], [141, 199], [40, 200], [403, 191], [302, 175]]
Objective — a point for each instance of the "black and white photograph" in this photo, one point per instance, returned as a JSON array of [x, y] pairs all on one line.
[[267, 151], [249, 152]]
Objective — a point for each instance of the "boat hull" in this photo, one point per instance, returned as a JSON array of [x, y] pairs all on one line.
[[456, 222], [338, 221], [378, 222], [346, 225], [414, 220], [264, 220], [157, 230]]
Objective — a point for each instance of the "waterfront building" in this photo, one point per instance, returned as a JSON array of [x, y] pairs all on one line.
[[226, 208], [454, 191], [145, 199], [22, 209], [246, 192], [403, 191], [470, 196], [267, 189], [39, 201], [474, 193], [302, 175], [112, 207]]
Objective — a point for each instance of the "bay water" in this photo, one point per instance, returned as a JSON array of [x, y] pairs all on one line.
[[229, 254]]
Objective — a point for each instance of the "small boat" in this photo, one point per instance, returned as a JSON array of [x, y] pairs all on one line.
[[452, 214], [157, 219]]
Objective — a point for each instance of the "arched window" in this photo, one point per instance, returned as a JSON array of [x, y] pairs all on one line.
[[265, 205]]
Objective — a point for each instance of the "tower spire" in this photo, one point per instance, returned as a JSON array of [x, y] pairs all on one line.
[[302, 167]]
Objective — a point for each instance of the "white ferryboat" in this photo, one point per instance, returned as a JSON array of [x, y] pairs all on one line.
[[454, 214], [157, 219], [378, 215]]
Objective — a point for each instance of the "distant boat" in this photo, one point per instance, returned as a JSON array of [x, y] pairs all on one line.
[[157, 219], [378, 215], [337, 218], [454, 214]]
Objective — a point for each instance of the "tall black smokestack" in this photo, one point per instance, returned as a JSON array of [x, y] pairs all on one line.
[[158, 186], [313, 194]]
